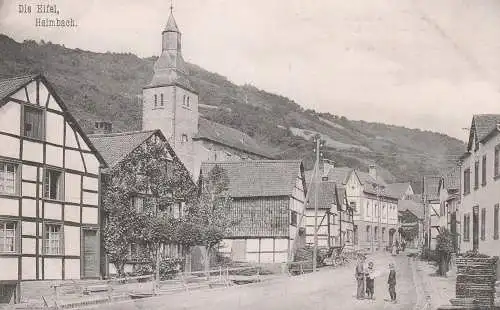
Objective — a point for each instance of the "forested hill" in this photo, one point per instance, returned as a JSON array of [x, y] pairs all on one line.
[[108, 86]]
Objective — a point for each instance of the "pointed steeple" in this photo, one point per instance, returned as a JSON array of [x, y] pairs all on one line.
[[171, 24], [170, 68]]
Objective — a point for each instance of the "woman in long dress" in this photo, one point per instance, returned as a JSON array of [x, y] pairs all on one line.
[[394, 249]]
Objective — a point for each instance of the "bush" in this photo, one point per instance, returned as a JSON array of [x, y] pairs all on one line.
[[169, 267], [431, 255]]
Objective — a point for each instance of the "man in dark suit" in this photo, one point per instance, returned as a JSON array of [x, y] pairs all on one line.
[[360, 276], [391, 281]]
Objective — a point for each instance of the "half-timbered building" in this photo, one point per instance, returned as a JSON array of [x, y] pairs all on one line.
[[267, 201], [49, 189], [116, 149], [334, 224]]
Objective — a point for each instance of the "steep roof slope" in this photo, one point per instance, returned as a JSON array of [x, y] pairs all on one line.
[[115, 147], [259, 178], [208, 130]]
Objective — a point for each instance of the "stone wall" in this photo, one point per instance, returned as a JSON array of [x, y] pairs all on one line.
[[476, 277]]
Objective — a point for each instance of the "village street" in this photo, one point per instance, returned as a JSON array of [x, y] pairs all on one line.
[[327, 289]]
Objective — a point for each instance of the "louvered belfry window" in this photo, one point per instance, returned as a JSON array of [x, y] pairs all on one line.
[[33, 123]]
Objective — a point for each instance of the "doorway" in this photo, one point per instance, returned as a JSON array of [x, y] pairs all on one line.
[[90, 254]]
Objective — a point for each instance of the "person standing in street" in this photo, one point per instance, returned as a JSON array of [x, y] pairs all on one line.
[[370, 280], [391, 281], [360, 277]]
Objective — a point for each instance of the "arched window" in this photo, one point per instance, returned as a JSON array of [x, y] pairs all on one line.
[[188, 101], [156, 100], [184, 100]]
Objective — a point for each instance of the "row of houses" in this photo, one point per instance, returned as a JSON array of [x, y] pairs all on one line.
[[466, 199], [53, 177]]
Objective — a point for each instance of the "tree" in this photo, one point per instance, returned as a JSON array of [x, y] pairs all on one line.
[[151, 174], [444, 248], [409, 233], [209, 218]]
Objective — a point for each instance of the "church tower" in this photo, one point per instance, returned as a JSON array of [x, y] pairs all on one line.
[[170, 103]]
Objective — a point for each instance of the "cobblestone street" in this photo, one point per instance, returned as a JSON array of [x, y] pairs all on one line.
[[327, 289]]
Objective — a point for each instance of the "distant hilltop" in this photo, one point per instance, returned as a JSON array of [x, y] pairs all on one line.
[[108, 86]]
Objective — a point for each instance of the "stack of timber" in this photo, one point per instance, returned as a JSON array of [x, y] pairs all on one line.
[[476, 277]]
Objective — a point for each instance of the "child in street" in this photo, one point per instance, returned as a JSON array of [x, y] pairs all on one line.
[[392, 282], [370, 280]]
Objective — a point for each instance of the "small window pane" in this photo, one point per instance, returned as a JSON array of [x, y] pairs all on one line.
[[8, 178], [7, 237]]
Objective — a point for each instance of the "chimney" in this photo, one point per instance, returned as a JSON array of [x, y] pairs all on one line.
[[373, 171], [327, 166], [102, 127]]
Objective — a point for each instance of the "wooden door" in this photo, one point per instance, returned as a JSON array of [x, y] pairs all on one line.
[[238, 250], [475, 228], [90, 254]]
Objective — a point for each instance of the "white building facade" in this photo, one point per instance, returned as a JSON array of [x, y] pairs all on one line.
[[480, 182], [49, 189]]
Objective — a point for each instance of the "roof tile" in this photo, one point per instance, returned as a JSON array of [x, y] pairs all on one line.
[[7, 86], [258, 178], [216, 132], [116, 146]]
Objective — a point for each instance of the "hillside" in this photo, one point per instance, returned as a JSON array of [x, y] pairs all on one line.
[[108, 86]]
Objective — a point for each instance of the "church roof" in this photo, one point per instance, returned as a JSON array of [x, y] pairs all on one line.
[[171, 24], [208, 130], [170, 69], [259, 178]]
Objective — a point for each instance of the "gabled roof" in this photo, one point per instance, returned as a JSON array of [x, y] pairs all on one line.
[[339, 175], [397, 189], [412, 206], [208, 130], [259, 178], [451, 179], [482, 125], [326, 195], [370, 185], [115, 147], [11, 85], [431, 187]]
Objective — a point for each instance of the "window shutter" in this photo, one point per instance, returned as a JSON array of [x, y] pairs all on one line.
[[495, 223]]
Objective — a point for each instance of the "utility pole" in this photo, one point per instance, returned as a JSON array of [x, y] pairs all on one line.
[[379, 215], [316, 185]]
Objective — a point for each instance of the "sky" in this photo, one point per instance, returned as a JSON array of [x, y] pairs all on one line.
[[417, 63]]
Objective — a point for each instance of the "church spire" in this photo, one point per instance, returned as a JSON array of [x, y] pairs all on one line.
[[171, 24], [170, 68]]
